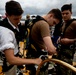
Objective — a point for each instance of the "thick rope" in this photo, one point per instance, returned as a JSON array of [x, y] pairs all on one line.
[[58, 62]]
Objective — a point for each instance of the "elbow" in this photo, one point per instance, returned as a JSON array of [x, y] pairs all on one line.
[[11, 62]]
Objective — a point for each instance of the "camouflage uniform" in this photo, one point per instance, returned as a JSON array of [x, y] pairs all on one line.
[[65, 54]]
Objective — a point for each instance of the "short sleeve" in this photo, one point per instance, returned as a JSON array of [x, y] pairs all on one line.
[[44, 29], [6, 39]]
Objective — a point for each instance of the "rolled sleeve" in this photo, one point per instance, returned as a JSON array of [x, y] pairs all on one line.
[[7, 39], [7, 46]]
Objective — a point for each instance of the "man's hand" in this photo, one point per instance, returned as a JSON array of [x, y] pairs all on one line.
[[37, 61]]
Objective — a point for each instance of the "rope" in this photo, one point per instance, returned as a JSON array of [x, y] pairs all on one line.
[[58, 62]]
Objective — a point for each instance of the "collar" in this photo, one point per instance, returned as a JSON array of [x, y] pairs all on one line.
[[12, 25]]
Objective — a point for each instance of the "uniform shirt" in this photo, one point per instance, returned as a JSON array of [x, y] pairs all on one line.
[[7, 39], [38, 32], [70, 31]]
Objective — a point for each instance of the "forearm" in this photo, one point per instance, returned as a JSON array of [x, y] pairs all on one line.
[[72, 41], [21, 61], [67, 41], [12, 59], [50, 47]]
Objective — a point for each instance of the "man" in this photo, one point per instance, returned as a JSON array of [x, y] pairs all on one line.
[[68, 39], [27, 20], [9, 40], [40, 35]]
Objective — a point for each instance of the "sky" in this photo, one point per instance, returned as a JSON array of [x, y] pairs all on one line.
[[39, 7]]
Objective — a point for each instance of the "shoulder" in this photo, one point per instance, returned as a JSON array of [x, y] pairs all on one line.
[[73, 25], [74, 22], [42, 23], [7, 38], [5, 31], [71, 22], [6, 35]]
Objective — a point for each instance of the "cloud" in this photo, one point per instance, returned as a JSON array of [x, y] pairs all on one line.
[[39, 6]]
